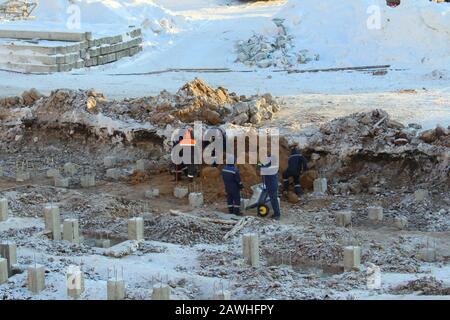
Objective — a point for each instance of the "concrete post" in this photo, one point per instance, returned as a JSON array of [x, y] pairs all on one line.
[[196, 199], [3, 271], [400, 222], [36, 278], [180, 192], [250, 248], [52, 219], [428, 254], [161, 292], [352, 258], [71, 231], [103, 243], [22, 176], [61, 182], [8, 250], [110, 161], [75, 282], [116, 289], [136, 229], [375, 214], [70, 169], [87, 181], [222, 295], [343, 218], [152, 193], [142, 164], [3, 209], [52, 173], [320, 186]]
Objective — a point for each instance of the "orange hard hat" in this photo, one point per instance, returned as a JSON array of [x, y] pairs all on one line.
[[187, 140]]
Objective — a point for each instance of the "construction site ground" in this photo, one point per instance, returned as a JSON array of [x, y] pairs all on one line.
[[377, 139]]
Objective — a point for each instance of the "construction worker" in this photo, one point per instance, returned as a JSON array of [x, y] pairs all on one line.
[[180, 169], [296, 165], [269, 173], [233, 187], [189, 145]]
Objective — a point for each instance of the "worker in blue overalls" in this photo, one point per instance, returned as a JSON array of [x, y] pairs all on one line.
[[269, 172], [296, 165], [233, 187]]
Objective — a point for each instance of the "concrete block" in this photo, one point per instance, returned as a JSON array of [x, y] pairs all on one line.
[[196, 199], [320, 186], [43, 35], [352, 258], [136, 229], [110, 161], [421, 195], [103, 243], [428, 254], [70, 168], [114, 174], [8, 251], [116, 289], [52, 173], [400, 222], [4, 210], [3, 271], [222, 295], [375, 214], [91, 62], [36, 278], [161, 292], [250, 248], [343, 218], [61, 182], [142, 164], [22, 176], [180, 192], [75, 282], [71, 231], [52, 219], [152, 193], [122, 54], [87, 181]]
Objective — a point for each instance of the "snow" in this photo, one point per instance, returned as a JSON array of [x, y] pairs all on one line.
[[414, 34]]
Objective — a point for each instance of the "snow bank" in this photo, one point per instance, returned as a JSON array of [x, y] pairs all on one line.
[[95, 15], [349, 33]]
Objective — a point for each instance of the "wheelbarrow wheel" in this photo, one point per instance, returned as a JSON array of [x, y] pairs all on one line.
[[263, 210]]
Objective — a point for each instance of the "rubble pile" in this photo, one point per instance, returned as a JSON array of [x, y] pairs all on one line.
[[423, 286], [278, 51], [184, 230], [197, 101], [377, 148]]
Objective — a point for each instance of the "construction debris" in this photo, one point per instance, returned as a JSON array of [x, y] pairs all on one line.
[[278, 51]]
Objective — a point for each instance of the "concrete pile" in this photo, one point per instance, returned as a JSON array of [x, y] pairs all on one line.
[[277, 51]]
